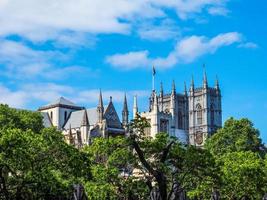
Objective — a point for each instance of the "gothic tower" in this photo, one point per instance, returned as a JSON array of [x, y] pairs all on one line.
[[205, 115], [100, 108], [125, 113]]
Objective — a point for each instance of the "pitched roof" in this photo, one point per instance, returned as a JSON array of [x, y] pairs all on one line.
[[77, 117], [61, 102]]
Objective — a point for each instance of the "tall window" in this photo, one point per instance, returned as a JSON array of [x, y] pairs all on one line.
[[180, 120], [199, 114], [65, 115], [212, 115], [164, 125], [51, 115]]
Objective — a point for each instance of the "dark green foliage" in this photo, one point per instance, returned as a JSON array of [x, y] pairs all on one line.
[[35, 162]]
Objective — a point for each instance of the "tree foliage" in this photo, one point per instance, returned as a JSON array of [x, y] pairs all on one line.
[[35, 162]]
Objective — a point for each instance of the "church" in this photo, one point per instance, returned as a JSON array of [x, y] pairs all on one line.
[[191, 116], [80, 125]]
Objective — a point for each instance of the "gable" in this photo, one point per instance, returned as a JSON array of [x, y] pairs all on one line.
[[111, 117]]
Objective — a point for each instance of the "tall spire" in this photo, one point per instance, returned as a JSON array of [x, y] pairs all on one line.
[[173, 87], [125, 112], [217, 86], [185, 89], [192, 86], [161, 89], [205, 81], [135, 107], [100, 107]]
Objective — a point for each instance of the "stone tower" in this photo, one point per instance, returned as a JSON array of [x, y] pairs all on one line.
[[205, 113], [125, 113]]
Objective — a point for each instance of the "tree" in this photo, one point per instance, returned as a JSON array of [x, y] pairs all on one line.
[[243, 176], [168, 167], [35, 162], [112, 160], [239, 154], [236, 135]]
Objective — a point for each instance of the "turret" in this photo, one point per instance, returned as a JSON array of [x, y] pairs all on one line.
[[125, 112], [85, 128], [161, 89], [205, 80], [173, 88], [217, 86], [192, 86], [100, 108], [135, 107], [185, 89], [161, 94], [155, 104]]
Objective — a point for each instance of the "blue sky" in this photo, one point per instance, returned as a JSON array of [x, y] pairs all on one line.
[[72, 48]]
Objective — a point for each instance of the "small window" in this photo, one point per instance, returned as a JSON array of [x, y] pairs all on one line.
[[51, 115]]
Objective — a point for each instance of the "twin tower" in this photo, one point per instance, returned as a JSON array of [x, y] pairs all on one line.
[[191, 116]]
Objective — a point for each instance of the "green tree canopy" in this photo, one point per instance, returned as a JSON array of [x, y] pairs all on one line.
[[236, 135], [35, 162]]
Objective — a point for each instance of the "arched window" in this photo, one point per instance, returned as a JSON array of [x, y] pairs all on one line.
[[180, 120], [65, 115], [199, 114], [51, 115], [212, 115]]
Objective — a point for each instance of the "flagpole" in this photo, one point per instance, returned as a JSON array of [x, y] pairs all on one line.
[[153, 78]]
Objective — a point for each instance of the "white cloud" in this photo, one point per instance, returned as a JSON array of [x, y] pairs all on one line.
[[129, 60], [44, 93], [186, 50], [22, 62], [167, 29], [248, 45], [15, 99], [218, 11], [43, 20]]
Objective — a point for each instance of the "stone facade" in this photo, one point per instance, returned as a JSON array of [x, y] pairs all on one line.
[[190, 117], [80, 125]]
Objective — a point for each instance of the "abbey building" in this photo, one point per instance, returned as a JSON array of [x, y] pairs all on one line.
[[191, 116]]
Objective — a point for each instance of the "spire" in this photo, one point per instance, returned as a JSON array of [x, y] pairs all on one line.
[[205, 81], [185, 89], [110, 99], [100, 100], [192, 86], [173, 87], [125, 112], [217, 86], [161, 89], [135, 107], [100, 107], [85, 121]]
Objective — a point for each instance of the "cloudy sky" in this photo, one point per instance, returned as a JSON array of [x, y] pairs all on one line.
[[72, 48]]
